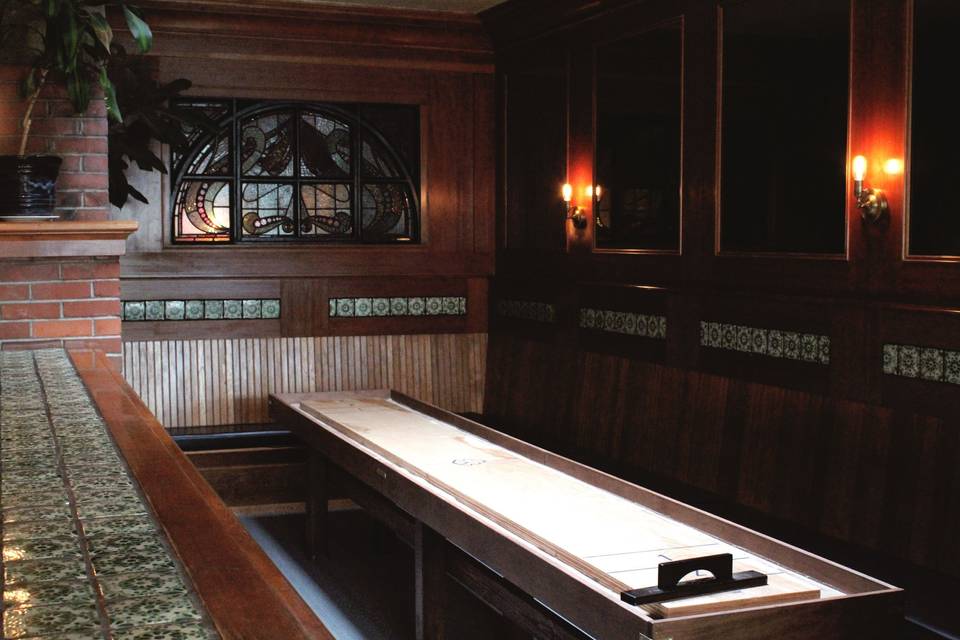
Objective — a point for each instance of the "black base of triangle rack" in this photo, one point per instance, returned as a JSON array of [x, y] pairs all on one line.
[[669, 575]]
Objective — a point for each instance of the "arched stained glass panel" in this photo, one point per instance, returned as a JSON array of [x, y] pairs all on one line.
[[300, 172]]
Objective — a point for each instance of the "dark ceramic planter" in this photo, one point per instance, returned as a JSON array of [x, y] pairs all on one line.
[[28, 187]]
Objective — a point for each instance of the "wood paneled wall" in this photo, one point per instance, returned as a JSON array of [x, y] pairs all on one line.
[[847, 448], [881, 478], [198, 386], [287, 50]]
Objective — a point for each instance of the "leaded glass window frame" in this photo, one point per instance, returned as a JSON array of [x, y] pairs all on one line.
[[365, 190]]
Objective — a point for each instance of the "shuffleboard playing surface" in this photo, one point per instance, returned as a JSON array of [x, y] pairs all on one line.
[[609, 539]]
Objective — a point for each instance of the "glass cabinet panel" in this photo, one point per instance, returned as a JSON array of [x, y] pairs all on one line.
[[639, 109], [783, 138], [935, 133], [536, 158]]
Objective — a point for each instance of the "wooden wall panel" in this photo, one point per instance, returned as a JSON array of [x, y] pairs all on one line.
[[196, 386], [875, 477]]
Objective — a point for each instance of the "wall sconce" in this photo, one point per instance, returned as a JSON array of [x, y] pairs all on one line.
[[871, 202], [574, 213]]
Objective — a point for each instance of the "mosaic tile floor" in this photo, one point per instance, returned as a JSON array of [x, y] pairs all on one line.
[[82, 558]]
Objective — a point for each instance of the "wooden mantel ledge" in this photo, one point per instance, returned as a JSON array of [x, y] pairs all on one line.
[[64, 238]]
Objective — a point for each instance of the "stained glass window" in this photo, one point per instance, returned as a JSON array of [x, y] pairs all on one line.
[[307, 172]]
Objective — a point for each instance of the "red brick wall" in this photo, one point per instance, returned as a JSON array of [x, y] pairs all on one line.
[[82, 189], [60, 303]]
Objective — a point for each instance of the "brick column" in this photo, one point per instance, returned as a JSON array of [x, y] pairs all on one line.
[[60, 284]]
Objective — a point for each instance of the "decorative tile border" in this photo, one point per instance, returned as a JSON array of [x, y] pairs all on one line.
[[790, 345], [527, 310], [924, 363], [392, 307], [157, 310], [74, 525], [626, 322]]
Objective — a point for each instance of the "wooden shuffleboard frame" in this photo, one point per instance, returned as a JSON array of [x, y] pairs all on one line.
[[869, 608]]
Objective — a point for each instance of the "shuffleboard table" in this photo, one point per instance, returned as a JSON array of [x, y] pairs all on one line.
[[570, 551]]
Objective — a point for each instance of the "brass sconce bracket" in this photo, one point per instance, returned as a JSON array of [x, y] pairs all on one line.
[[577, 216], [871, 202]]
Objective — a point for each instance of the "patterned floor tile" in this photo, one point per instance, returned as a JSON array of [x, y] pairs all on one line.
[[88, 484], [142, 585], [36, 513], [104, 509], [46, 570], [63, 547], [119, 561], [23, 484], [155, 610], [166, 632], [32, 530], [37, 621], [139, 543], [94, 527], [25, 498], [48, 593]]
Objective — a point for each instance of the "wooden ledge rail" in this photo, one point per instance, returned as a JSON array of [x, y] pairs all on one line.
[[62, 238], [243, 591]]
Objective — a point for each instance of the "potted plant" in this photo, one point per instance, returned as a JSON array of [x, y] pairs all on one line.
[[62, 41]]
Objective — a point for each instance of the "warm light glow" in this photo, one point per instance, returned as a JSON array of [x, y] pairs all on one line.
[[859, 168], [599, 192], [567, 192], [893, 167], [588, 191]]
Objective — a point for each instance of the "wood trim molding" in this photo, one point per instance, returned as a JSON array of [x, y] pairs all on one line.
[[65, 238]]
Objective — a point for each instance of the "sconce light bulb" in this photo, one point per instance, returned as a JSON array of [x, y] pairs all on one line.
[[893, 167], [567, 192], [859, 168]]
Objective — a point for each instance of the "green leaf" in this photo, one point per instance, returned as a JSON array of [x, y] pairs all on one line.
[[79, 92], [139, 29], [29, 83], [101, 29], [110, 96]]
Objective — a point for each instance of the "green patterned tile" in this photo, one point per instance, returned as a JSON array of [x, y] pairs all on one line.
[[133, 311], [193, 310], [416, 306], [166, 632], [29, 621], [251, 309], [94, 527], [270, 309], [380, 307], [398, 306], [103, 509], [363, 307], [890, 352], [46, 570], [43, 529], [25, 498], [174, 309], [62, 547], [154, 310], [434, 306], [153, 610], [951, 367], [142, 585], [139, 543], [36, 513], [118, 561], [232, 309], [213, 309], [48, 593]]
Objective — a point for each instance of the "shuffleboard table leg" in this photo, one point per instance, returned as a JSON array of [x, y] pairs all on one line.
[[430, 578], [317, 500]]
